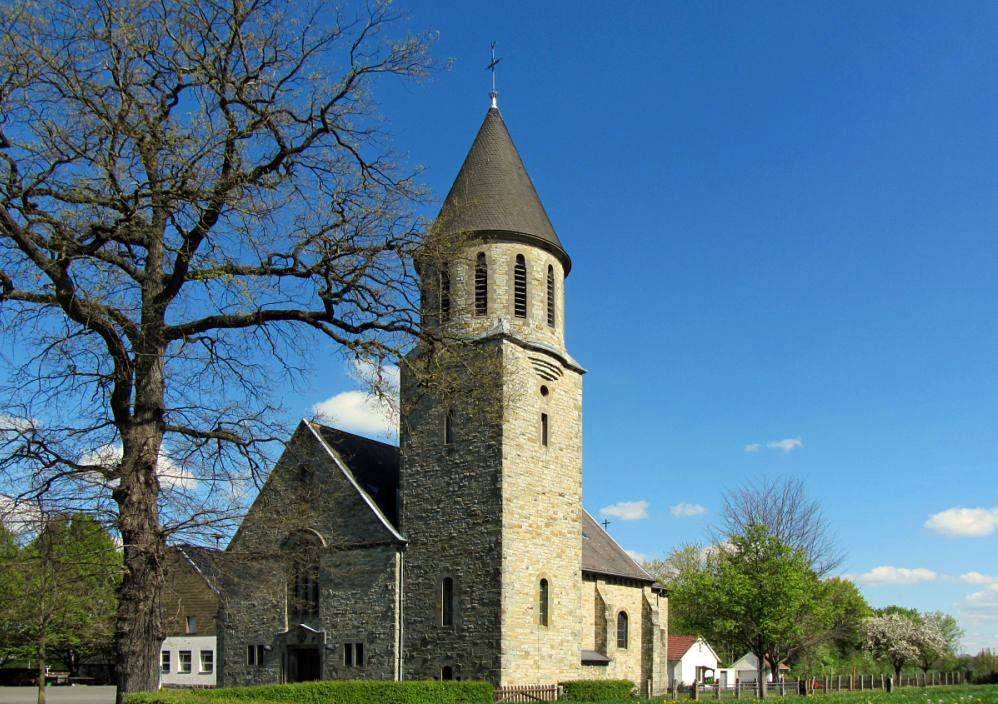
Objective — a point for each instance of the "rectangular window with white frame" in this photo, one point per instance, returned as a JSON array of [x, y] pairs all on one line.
[[164, 662], [207, 662], [184, 658]]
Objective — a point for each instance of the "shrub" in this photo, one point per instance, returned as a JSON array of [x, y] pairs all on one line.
[[355, 692], [597, 690]]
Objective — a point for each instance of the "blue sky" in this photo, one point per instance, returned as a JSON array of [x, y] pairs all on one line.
[[782, 218]]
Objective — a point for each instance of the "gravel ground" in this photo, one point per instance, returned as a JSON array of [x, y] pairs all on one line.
[[79, 694]]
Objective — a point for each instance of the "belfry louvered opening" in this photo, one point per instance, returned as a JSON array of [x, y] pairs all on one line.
[[550, 296], [520, 287], [444, 296], [481, 285]]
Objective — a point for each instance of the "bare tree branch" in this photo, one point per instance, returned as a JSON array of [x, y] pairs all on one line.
[[785, 509], [193, 197]]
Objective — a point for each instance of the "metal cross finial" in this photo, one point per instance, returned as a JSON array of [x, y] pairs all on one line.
[[492, 67], [606, 524]]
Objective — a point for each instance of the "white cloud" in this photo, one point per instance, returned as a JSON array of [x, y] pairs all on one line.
[[14, 429], [638, 557], [977, 578], [365, 411], [786, 444], [896, 575], [753, 447], [626, 510], [964, 522], [19, 517], [685, 509], [984, 602], [171, 475]]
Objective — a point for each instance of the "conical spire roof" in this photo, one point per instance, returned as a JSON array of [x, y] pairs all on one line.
[[493, 195]]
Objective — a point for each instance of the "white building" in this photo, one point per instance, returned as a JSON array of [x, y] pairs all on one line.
[[187, 661], [691, 659], [747, 669]]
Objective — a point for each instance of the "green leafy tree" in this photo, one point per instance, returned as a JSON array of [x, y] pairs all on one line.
[[67, 579], [12, 646], [848, 609], [683, 563], [754, 593]]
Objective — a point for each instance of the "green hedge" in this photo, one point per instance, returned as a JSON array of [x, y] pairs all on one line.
[[597, 690], [358, 692]]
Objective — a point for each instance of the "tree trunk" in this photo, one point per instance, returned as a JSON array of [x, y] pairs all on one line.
[[760, 682], [41, 670], [139, 632], [139, 628]]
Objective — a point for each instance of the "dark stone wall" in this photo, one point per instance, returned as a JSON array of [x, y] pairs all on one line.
[[307, 493], [451, 506]]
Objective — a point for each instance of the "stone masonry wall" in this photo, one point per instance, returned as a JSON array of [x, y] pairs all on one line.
[[359, 564], [500, 259], [497, 511], [450, 515], [542, 498], [644, 660]]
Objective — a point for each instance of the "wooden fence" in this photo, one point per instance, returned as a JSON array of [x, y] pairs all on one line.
[[817, 685], [527, 693], [812, 686]]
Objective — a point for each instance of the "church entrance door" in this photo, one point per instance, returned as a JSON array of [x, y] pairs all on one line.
[[303, 664]]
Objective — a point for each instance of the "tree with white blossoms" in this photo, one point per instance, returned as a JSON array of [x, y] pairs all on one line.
[[900, 640]]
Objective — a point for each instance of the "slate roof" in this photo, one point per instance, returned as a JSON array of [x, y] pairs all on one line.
[[494, 194], [591, 657], [602, 555], [375, 466], [204, 561]]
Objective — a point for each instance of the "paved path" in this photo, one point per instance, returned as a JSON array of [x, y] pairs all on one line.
[[58, 695]]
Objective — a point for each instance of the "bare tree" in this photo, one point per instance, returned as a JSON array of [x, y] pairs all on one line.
[[192, 195], [785, 509]]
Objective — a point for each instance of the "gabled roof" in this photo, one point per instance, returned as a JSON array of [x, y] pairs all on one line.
[[679, 645], [370, 466], [749, 661], [374, 465], [602, 555], [493, 194], [204, 561]]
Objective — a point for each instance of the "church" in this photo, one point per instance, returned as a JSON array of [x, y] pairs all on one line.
[[465, 552]]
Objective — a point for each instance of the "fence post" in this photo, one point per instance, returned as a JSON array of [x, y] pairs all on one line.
[[852, 682], [694, 690], [738, 689], [717, 688]]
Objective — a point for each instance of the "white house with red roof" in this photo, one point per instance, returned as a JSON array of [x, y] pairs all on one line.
[[691, 659]]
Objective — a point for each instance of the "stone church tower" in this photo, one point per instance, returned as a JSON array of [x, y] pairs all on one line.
[[491, 442]]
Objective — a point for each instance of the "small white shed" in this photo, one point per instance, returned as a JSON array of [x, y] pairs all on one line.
[[747, 669], [691, 659]]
